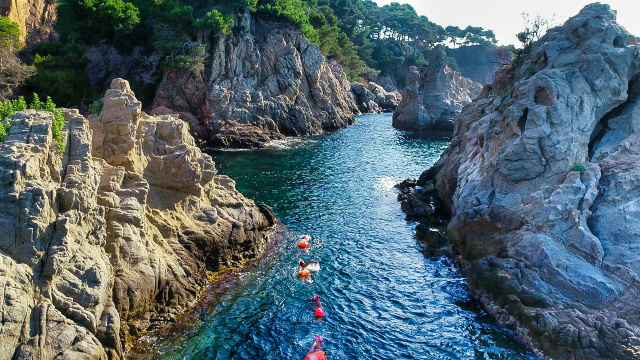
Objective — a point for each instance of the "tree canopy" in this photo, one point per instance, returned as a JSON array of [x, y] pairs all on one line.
[[366, 39]]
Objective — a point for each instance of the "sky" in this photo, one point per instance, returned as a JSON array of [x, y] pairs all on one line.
[[504, 17]]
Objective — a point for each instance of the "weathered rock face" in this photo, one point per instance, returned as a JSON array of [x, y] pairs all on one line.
[[373, 98], [104, 63], [433, 97], [543, 188], [268, 83], [35, 18], [479, 62], [113, 236]]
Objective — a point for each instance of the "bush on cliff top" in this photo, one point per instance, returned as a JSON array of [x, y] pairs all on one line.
[[13, 72], [8, 108], [61, 63]]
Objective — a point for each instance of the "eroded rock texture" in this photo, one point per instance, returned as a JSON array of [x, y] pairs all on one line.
[[264, 84], [35, 18], [115, 235], [480, 62], [433, 97], [543, 188], [373, 98]]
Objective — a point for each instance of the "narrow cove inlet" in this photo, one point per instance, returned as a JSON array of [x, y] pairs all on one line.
[[382, 298]]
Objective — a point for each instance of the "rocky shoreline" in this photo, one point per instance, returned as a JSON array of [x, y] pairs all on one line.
[[114, 236], [540, 188]]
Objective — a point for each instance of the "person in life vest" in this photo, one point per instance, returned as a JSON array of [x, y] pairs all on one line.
[[314, 352], [319, 312], [304, 273], [305, 268], [303, 241]]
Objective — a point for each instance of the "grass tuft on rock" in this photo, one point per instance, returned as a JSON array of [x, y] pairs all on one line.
[[8, 108], [578, 167]]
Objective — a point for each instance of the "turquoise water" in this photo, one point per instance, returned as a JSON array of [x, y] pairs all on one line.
[[382, 298]]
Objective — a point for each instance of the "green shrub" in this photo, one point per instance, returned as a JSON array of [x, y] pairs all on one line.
[[292, 11], [60, 73], [96, 107], [11, 107], [217, 22], [578, 167], [9, 33], [191, 56]]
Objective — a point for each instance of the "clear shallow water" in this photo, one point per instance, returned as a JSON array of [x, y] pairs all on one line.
[[382, 298]]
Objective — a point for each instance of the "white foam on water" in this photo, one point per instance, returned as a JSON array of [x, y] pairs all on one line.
[[313, 267], [285, 143], [386, 183]]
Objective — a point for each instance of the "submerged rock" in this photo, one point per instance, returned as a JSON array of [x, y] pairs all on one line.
[[113, 236], [433, 97], [263, 84], [543, 187]]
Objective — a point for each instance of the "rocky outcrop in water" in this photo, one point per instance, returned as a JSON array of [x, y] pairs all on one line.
[[373, 98], [433, 97], [542, 184], [266, 83], [113, 236], [36, 19]]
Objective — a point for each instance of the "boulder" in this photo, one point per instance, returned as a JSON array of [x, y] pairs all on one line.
[[115, 234], [542, 184], [373, 98], [433, 97]]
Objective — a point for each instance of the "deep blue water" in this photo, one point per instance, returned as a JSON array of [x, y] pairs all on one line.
[[382, 298]]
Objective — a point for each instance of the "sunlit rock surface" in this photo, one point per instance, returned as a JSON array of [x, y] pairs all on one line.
[[113, 236], [543, 187]]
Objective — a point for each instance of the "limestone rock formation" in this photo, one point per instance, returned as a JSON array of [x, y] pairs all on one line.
[[373, 98], [542, 182], [35, 18], [433, 97], [264, 84], [114, 235]]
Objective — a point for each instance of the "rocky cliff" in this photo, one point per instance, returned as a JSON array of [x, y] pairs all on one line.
[[266, 82], [542, 184], [479, 62], [35, 18], [433, 97], [114, 235]]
